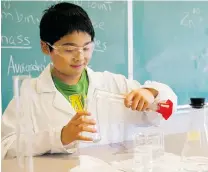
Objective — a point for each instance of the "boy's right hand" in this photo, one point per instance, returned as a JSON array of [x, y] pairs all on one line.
[[79, 123]]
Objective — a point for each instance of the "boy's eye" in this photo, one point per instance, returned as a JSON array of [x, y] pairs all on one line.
[[86, 48], [69, 49]]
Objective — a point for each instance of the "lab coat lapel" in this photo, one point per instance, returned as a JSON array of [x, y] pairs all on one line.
[[45, 85], [94, 82], [62, 104]]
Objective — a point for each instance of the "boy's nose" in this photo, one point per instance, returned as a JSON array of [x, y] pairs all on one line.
[[79, 54]]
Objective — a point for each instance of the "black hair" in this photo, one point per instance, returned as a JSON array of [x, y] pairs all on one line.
[[62, 19]]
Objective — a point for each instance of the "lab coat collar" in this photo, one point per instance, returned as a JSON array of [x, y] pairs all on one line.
[[45, 85], [45, 82]]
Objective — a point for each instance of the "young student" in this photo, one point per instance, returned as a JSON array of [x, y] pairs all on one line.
[[67, 35]]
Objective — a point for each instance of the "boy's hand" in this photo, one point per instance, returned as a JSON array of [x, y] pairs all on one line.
[[140, 99], [79, 123]]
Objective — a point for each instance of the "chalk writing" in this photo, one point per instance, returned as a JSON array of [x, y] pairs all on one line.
[[15, 40], [196, 11], [18, 17], [100, 46], [191, 18], [7, 15], [6, 4], [78, 2], [186, 21], [26, 18], [19, 68], [103, 6], [98, 25], [201, 60]]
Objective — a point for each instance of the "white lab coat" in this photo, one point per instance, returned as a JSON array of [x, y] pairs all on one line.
[[51, 111]]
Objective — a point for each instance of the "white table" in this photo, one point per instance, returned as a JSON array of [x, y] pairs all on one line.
[[63, 163], [174, 140]]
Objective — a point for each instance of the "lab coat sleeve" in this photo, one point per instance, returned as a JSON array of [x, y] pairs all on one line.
[[120, 84], [45, 141], [164, 92]]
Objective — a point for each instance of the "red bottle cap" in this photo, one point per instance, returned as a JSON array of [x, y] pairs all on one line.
[[165, 108]]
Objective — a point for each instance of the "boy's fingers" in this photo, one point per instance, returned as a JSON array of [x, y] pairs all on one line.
[[79, 114], [85, 128], [145, 107], [129, 99], [83, 120], [136, 102], [140, 105], [83, 138]]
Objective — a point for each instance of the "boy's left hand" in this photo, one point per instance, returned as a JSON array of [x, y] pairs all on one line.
[[140, 99]]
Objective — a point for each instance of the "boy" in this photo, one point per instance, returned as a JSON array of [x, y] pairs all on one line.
[[67, 35]]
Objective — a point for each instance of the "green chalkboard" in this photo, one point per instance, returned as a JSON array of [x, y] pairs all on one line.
[[20, 40], [170, 42], [171, 45]]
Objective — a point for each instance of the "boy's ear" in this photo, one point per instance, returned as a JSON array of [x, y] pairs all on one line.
[[44, 48]]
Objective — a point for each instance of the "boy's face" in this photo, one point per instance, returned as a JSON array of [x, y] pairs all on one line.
[[72, 53]]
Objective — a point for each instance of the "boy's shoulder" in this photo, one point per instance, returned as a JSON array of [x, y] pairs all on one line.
[[41, 83], [108, 81], [29, 84], [104, 74]]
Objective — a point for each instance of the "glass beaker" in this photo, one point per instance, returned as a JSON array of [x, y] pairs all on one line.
[[95, 136], [148, 146], [24, 151], [194, 156], [113, 118]]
